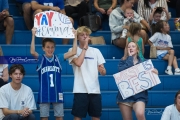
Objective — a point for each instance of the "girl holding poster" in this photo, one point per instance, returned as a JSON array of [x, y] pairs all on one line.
[[138, 101]]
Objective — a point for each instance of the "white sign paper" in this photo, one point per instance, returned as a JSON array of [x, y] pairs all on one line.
[[53, 24], [136, 79]]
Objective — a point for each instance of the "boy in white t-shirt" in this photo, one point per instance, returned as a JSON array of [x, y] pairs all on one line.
[[86, 64], [17, 99], [164, 46]]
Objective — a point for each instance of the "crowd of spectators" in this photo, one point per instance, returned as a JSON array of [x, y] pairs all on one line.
[[150, 18]]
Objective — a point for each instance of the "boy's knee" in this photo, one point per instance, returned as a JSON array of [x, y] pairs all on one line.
[[9, 22], [13, 117], [171, 51], [26, 8]]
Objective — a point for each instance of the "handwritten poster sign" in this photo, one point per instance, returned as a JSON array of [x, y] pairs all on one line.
[[136, 79], [53, 24]]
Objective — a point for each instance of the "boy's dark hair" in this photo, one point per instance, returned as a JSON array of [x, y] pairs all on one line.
[[158, 10], [14, 67], [47, 40], [175, 98], [159, 26], [134, 28]]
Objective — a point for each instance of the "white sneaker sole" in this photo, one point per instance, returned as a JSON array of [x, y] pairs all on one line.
[[176, 73], [170, 73]]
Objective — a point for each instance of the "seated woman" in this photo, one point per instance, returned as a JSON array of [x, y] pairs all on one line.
[[138, 101], [116, 19], [4, 76], [171, 112]]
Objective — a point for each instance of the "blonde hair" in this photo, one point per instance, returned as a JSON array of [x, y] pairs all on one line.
[[134, 28], [83, 29]]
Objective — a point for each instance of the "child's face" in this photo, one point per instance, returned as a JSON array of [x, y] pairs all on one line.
[[129, 13], [82, 36], [132, 48], [165, 27], [157, 17], [49, 49]]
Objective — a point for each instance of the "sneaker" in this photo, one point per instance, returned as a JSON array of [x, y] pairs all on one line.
[[169, 72], [177, 72]]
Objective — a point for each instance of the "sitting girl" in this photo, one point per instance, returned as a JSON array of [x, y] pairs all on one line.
[[134, 31], [163, 44]]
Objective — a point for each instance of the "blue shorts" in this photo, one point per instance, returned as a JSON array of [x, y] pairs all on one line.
[[161, 56]]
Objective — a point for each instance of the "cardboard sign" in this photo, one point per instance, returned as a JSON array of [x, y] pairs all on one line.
[[136, 79], [53, 24]]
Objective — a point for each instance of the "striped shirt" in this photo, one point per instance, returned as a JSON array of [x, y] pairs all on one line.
[[145, 12]]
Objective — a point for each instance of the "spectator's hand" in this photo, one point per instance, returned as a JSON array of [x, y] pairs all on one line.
[[101, 68], [164, 9], [25, 112], [109, 11], [57, 9], [75, 32], [63, 12], [86, 42], [102, 10], [124, 58], [154, 9], [129, 52], [155, 71], [33, 31]]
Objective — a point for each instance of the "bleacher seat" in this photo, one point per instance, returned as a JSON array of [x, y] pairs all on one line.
[[159, 96]]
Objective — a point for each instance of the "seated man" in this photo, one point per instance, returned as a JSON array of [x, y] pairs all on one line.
[[6, 22], [17, 99], [26, 10], [55, 5], [104, 7]]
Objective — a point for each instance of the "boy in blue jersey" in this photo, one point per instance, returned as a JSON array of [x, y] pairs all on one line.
[[49, 70], [55, 5]]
